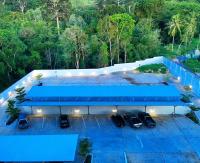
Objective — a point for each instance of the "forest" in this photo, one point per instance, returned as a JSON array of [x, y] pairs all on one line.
[[73, 34]]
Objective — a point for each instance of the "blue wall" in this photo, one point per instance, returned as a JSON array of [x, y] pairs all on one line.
[[186, 76]]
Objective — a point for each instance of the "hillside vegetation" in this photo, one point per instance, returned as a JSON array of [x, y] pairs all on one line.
[[54, 34]]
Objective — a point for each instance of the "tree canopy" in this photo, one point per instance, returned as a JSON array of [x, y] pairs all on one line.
[[53, 34]]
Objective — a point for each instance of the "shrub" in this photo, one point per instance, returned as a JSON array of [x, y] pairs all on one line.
[[20, 94], [84, 147], [12, 112], [186, 98], [187, 88], [39, 77], [193, 64], [194, 108], [193, 117], [153, 68]]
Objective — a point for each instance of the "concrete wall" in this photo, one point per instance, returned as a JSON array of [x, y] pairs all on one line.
[[153, 110], [30, 79]]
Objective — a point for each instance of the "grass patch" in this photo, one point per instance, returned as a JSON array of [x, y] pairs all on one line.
[[193, 64], [153, 68]]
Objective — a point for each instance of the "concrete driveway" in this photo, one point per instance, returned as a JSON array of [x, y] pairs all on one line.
[[175, 139]]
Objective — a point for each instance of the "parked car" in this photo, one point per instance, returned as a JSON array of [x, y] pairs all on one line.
[[64, 121], [40, 84], [118, 120], [146, 119], [133, 120], [23, 122]]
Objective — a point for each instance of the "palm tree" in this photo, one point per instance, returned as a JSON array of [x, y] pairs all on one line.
[[11, 110], [190, 28], [174, 27]]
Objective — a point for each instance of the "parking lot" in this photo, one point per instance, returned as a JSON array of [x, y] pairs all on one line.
[[175, 139]]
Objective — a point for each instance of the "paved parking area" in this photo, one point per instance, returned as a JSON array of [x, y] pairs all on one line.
[[175, 139]]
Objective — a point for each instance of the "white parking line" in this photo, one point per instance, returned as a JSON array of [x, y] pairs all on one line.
[[140, 141], [97, 122], [43, 119], [83, 121], [57, 121]]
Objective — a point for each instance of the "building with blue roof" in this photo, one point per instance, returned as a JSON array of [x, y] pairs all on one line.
[[99, 99]]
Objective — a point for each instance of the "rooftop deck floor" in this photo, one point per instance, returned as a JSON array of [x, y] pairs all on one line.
[[119, 78]]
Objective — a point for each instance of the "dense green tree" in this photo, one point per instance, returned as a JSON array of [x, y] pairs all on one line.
[[74, 42], [146, 40], [57, 10], [148, 8], [123, 26], [174, 27], [106, 31], [189, 30], [93, 51], [51, 34], [103, 55]]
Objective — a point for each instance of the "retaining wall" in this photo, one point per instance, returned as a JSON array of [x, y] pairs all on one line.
[[30, 79]]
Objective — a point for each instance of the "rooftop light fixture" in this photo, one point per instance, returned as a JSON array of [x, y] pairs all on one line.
[[114, 110], [24, 83], [178, 78], [29, 79], [152, 112], [105, 72], [124, 69], [80, 73], [1, 101], [69, 74], [39, 111], [93, 74], [10, 94], [190, 86], [76, 111], [5, 103]]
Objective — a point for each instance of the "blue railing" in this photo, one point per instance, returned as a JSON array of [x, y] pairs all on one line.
[[186, 76]]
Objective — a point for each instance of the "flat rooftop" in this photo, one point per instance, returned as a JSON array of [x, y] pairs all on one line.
[[118, 78], [38, 148], [103, 91], [102, 95]]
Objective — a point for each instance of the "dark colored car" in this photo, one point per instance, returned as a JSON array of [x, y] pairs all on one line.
[[23, 122], [118, 120], [64, 121], [133, 120], [40, 84], [146, 119]]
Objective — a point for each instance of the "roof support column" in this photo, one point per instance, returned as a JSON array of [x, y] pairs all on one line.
[[174, 111], [60, 110], [32, 110], [116, 108], [145, 108], [88, 110]]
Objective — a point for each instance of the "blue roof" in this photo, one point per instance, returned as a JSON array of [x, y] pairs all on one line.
[[103, 91], [38, 148], [145, 103]]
